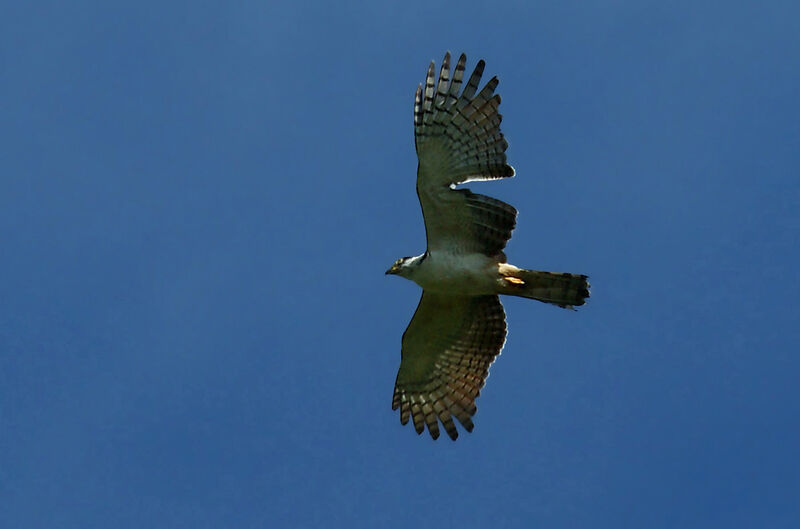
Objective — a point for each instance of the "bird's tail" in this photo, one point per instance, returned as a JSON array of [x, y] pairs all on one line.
[[562, 289]]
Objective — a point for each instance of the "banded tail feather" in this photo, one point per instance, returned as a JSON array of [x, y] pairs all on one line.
[[562, 289]]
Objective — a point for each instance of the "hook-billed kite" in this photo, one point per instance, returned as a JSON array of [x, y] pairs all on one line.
[[459, 326]]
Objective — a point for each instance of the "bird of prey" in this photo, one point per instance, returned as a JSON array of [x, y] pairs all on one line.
[[459, 326]]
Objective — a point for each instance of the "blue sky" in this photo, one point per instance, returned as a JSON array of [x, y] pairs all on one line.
[[198, 201]]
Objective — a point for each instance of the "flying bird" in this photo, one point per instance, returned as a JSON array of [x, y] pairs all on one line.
[[459, 326]]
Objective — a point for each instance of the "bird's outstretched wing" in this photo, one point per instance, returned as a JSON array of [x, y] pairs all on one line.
[[447, 350], [458, 140]]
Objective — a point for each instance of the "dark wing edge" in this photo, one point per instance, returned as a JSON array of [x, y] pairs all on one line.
[[491, 223], [460, 221], [458, 137], [447, 349]]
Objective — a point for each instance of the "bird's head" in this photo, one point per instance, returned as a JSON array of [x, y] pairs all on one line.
[[405, 265]]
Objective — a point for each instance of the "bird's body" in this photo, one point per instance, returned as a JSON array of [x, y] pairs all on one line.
[[470, 274], [459, 326]]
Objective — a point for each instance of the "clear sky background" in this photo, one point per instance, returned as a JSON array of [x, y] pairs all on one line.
[[198, 201]]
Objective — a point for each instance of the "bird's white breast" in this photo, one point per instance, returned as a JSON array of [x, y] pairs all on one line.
[[467, 274]]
